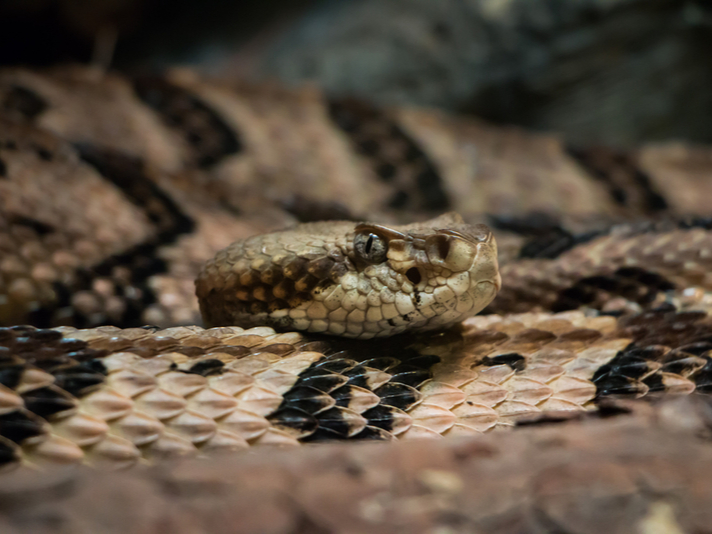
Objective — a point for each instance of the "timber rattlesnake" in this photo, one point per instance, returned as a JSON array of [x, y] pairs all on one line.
[[115, 191]]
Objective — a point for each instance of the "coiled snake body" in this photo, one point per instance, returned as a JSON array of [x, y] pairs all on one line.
[[115, 192]]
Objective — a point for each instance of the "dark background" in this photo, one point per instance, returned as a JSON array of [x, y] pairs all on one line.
[[614, 72]]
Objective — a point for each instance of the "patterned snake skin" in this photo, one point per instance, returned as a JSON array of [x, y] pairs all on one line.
[[114, 192]]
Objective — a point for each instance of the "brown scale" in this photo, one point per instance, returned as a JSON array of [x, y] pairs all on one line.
[[41, 376], [395, 158], [210, 139], [179, 123], [613, 292], [504, 170], [215, 228], [46, 240], [85, 108], [103, 280], [288, 139], [640, 263], [291, 148], [106, 290], [669, 328], [124, 284], [629, 186], [680, 173]]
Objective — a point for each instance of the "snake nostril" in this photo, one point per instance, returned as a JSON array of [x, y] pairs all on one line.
[[413, 274]]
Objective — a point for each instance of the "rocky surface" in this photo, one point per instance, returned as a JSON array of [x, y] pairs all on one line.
[[611, 71]]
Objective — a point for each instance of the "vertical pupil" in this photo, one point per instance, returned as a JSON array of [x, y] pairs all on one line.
[[369, 244]]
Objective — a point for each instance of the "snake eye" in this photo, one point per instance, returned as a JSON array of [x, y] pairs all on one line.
[[371, 247]]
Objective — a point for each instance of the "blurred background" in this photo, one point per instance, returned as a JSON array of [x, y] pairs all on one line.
[[618, 72]]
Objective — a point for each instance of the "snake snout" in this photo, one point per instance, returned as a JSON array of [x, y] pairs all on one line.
[[498, 282], [450, 252]]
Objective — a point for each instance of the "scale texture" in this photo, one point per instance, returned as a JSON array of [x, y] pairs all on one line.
[[115, 192]]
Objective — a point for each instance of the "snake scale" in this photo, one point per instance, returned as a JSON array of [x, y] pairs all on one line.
[[116, 191]]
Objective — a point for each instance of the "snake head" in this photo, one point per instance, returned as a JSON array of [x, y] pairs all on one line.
[[365, 280]]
